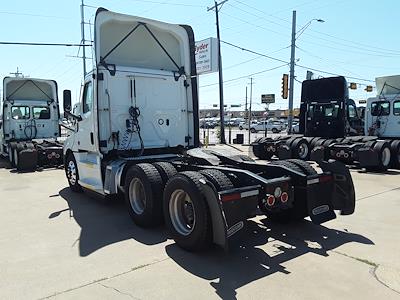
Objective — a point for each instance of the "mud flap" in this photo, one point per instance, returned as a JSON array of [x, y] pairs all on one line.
[[27, 160], [343, 194], [284, 152], [317, 154], [319, 202], [367, 157], [228, 215]]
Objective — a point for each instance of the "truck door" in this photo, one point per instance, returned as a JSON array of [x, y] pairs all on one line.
[[355, 125], [87, 156]]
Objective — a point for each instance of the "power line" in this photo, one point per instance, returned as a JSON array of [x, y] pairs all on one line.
[[301, 66], [247, 76], [44, 44]]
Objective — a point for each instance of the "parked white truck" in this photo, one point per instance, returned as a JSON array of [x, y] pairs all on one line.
[[137, 134], [30, 123]]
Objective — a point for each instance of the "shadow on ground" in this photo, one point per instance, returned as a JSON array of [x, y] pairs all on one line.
[[104, 224], [245, 262]]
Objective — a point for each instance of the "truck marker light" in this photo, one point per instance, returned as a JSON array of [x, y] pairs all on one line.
[[230, 197], [325, 178], [270, 200], [284, 197], [237, 196]]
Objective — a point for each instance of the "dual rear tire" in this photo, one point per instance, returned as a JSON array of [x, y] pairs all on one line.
[[157, 193]]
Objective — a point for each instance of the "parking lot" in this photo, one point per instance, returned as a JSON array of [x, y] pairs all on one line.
[[63, 245]]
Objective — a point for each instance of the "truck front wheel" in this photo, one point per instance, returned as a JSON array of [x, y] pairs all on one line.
[[186, 212], [71, 171]]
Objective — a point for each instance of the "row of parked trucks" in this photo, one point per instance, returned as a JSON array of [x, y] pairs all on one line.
[[135, 132], [331, 127]]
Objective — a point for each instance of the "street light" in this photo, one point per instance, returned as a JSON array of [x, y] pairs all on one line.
[[292, 62]]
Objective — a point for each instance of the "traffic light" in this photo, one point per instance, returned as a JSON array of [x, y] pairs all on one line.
[[368, 88], [285, 89], [353, 86]]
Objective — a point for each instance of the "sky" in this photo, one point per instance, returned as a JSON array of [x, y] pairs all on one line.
[[358, 39]]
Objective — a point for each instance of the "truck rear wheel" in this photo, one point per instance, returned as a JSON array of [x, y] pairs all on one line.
[[166, 170], [219, 180], [186, 212], [143, 195], [300, 149], [304, 166], [71, 171], [395, 154]]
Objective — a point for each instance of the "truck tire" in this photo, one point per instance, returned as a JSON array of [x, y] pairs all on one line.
[[395, 154], [304, 166], [186, 211], [219, 180], [166, 170], [300, 149], [383, 150], [10, 150], [71, 171], [143, 195]]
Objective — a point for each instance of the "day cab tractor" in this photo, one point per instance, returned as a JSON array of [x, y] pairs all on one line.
[[137, 134], [330, 126], [30, 123]]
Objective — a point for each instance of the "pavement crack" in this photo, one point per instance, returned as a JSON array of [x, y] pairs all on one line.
[[382, 282], [363, 260], [377, 194], [371, 264], [117, 290], [98, 281]]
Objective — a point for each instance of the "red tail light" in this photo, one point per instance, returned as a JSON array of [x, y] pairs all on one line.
[[284, 197], [270, 200]]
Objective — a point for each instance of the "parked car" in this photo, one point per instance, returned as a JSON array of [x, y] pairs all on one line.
[[245, 124], [274, 126]]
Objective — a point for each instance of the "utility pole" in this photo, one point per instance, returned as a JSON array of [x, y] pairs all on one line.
[[251, 97], [291, 75], [83, 38], [221, 89], [16, 74], [245, 106]]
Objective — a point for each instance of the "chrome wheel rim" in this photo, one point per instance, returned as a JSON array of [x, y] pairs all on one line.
[[137, 196], [385, 156], [303, 150], [71, 172], [182, 213]]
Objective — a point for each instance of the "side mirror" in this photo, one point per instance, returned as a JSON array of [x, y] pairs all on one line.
[[67, 100]]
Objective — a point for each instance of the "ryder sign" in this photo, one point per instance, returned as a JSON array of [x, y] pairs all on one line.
[[206, 56]]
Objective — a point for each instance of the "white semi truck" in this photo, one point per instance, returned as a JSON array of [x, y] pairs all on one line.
[[30, 123], [137, 134]]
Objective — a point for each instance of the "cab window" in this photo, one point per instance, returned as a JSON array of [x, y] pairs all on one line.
[[41, 113], [396, 108], [88, 97], [380, 108], [20, 112], [352, 112]]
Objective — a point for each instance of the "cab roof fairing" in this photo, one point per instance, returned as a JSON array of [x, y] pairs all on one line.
[[25, 88], [140, 49]]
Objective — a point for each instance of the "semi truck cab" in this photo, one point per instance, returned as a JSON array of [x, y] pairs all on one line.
[[30, 114]]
